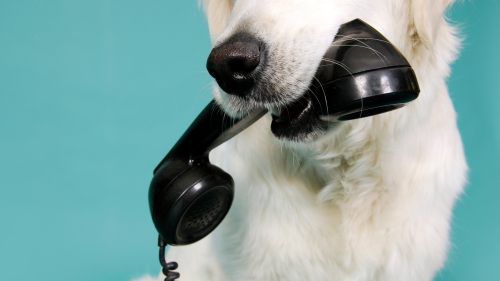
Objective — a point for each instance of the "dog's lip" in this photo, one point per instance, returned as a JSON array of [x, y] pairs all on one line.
[[292, 111], [285, 118]]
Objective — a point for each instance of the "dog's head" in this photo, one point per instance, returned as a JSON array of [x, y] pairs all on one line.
[[265, 53]]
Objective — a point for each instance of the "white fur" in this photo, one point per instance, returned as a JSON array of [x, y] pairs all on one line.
[[371, 200]]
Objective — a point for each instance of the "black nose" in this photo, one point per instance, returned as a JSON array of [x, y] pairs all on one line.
[[234, 63]]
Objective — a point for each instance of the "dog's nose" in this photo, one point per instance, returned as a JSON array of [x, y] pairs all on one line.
[[234, 63]]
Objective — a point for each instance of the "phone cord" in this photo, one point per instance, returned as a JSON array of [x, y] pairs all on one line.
[[171, 275]]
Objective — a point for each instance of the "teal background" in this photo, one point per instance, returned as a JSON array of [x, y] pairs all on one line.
[[94, 93]]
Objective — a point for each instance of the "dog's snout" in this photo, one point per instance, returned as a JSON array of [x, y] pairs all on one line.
[[234, 63]]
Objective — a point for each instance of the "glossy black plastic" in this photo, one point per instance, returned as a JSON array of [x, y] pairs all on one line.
[[362, 74], [188, 196]]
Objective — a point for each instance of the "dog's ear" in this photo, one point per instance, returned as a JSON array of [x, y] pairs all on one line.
[[427, 16], [218, 12]]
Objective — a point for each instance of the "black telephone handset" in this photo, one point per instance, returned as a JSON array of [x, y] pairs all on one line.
[[362, 74]]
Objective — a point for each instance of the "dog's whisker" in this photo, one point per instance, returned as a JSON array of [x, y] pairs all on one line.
[[201, 91], [373, 39], [214, 108], [298, 160], [339, 64], [190, 73], [379, 54], [375, 51], [309, 89], [313, 94], [324, 94], [223, 118]]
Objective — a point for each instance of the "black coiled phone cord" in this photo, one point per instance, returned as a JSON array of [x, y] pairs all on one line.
[[171, 275]]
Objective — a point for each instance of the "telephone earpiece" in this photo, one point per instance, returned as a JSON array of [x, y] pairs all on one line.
[[362, 74]]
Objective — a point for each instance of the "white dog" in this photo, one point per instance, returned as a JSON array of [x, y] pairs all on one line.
[[368, 199]]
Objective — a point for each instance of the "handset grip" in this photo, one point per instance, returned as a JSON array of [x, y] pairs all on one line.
[[210, 129]]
